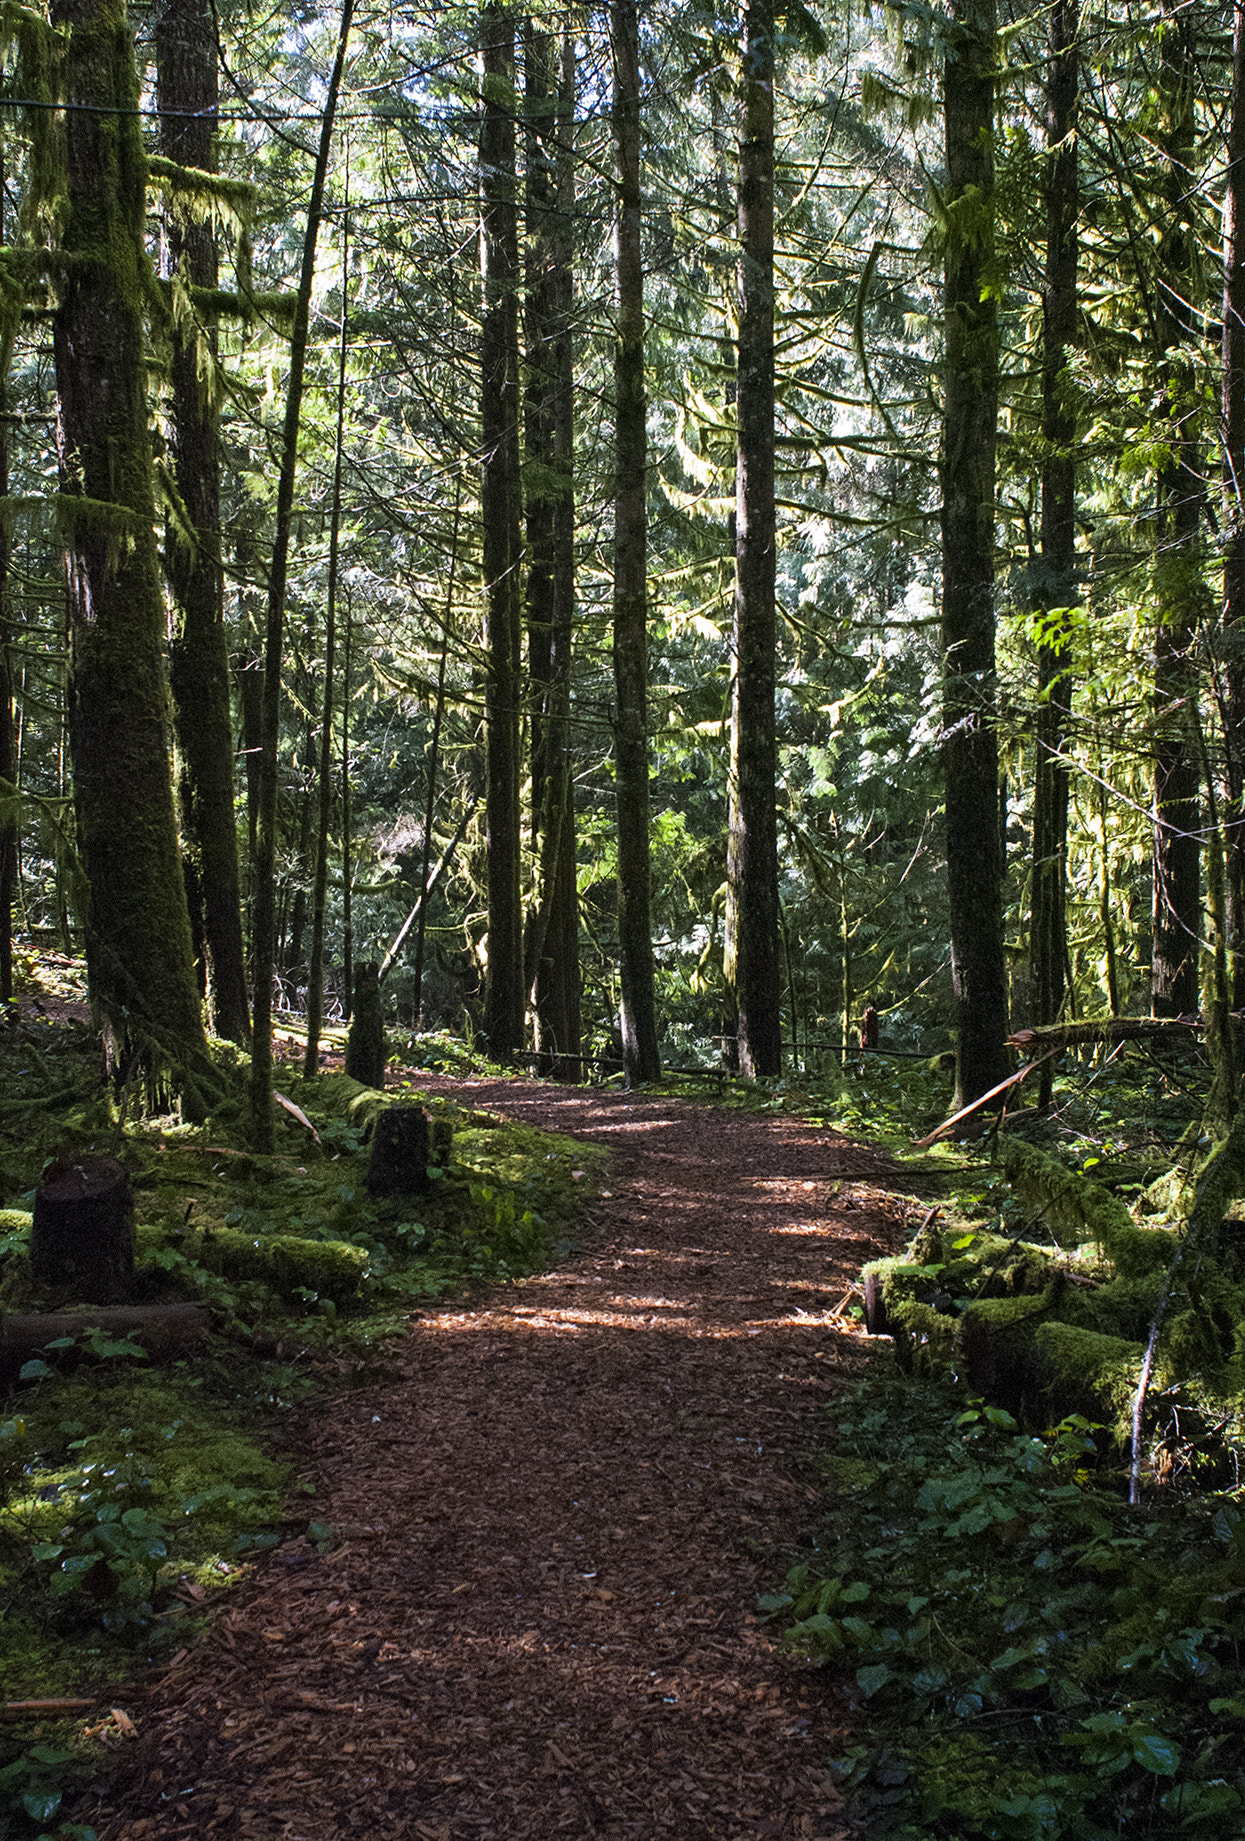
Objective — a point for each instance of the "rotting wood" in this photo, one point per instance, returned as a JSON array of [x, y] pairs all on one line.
[[163, 1329]]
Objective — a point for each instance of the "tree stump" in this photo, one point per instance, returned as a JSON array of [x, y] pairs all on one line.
[[82, 1232], [365, 1045], [399, 1160]]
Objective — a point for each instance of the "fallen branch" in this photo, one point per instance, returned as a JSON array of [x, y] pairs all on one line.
[[1013, 1080], [1108, 1029]]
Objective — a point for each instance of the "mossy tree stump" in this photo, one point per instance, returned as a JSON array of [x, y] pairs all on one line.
[[400, 1152], [365, 1045], [82, 1231]]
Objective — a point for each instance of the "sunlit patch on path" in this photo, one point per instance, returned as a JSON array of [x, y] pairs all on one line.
[[553, 1517]]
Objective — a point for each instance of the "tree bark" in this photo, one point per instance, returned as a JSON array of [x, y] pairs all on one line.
[[1233, 416], [637, 1017], [499, 506], [82, 1230], [138, 934], [552, 962], [265, 865], [320, 882], [199, 660], [970, 416], [1177, 577], [1057, 585], [752, 957]]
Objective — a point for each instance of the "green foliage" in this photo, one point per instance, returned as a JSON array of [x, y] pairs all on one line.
[[1038, 1661]]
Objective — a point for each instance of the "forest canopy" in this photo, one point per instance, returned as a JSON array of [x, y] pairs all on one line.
[[663, 529]]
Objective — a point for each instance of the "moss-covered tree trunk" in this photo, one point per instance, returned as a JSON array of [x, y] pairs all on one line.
[[1178, 583], [1233, 425], [1057, 580], [551, 958], [752, 958], [187, 96], [264, 869], [138, 934], [638, 1017], [324, 814], [969, 432], [499, 504]]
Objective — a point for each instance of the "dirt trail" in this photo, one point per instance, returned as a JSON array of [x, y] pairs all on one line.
[[555, 1511]]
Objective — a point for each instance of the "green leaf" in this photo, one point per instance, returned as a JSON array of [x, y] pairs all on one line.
[[33, 1370], [875, 1676], [1153, 1752], [41, 1804]]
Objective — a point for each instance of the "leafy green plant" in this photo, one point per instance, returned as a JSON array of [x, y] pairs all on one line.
[[1039, 1663]]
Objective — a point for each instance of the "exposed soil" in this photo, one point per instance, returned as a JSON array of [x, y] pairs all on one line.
[[555, 1512]]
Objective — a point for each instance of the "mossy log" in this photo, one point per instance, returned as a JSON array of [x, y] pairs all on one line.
[[166, 1331], [288, 1263], [365, 1045], [1076, 1209], [1020, 1356], [82, 1230], [1107, 1029]]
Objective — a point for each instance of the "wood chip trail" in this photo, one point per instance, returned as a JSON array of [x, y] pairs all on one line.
[[554, 1513]]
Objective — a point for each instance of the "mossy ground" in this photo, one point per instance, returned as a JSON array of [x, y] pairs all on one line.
[[132, 1496]]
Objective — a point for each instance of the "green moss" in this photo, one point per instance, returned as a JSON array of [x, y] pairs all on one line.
[[1077, 1209], [1089, 1373], [924, 1339], [331, 1268]]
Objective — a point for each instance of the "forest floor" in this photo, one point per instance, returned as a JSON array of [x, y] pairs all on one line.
[[553, 1512]]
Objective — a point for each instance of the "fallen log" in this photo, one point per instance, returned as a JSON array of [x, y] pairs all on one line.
[[1108, 1029], [162, 1329]]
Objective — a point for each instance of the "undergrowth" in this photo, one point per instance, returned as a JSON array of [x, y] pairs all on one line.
[[1034, 1659], [131, 1494]]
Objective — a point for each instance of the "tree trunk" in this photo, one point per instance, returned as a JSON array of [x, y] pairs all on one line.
[[347, 835], [138, 934], [552, 966], [499, 507], [265, 865], [320, 882], [637, 1013], [1177, 577], [752, 959], [199, 661], [365, 1045], [970, 415], [1057, 585], [1233, 414]]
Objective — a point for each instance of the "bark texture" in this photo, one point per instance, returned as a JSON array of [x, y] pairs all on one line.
[[552, 958], [752, 957], [1057, 583], [637, 1017], [970, 416], [137, 934], [82, 1230], [187, 95], [265, 854], [499, 505], [1233, 415], [1177, 577]]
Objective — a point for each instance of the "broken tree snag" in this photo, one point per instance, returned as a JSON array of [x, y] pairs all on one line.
[[400, 1152], [365, 1045], [166, 1331], [82, 1232]]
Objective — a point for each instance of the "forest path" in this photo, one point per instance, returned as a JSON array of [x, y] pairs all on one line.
[[555, 1510]]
